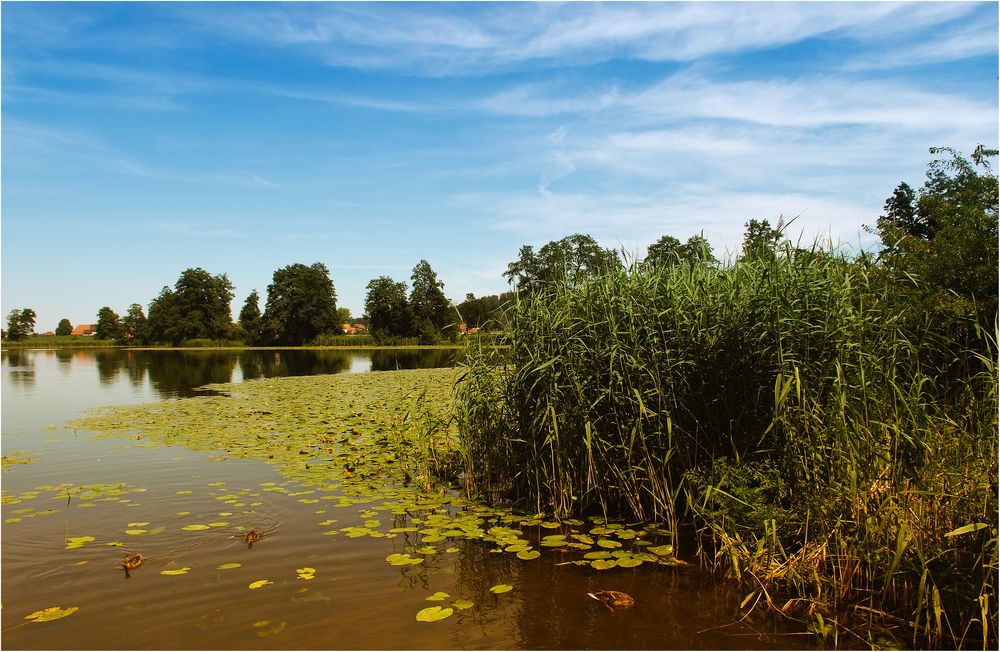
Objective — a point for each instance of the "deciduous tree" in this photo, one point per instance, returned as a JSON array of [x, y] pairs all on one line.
[[108, 324], [301, 304], [64, 327], [387, 308], [20, 324], [197, 307], [431, 309], [251, 320], [570, 260]]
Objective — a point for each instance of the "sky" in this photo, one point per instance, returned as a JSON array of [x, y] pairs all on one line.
[[143, 139]]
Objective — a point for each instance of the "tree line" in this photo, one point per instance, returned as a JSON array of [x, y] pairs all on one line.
[[944, 232]]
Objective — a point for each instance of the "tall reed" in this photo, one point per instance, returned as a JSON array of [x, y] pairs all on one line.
[[818, 432]]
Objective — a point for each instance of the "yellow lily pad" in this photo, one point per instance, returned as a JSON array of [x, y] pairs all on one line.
[[177, 571], [259, 583], [52, 613], [228, 566], [437, 597], [432, 614], [501, 588], [195, 527]]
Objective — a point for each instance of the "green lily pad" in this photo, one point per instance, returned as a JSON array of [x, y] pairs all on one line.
[[432, 614], [259, 583], [176, 571], [601, 554], [77, 542], [528, 554], [631, 562], [195, 527], [603, 564], [136, 531], [501, 588], [229, 566], [438, 596], [608, 543], [662, 551], [464, 603]]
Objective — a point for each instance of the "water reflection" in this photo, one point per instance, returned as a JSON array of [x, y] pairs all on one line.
[[178, 374], [20, 368]]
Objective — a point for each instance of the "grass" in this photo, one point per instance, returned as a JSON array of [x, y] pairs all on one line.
[[792, 421], [57, 341]]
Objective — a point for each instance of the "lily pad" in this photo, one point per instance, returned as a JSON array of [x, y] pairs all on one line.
[[501, 588], [630, 562], [195, 527], [438, 596], [603, 564], [259, 583], [176, 571], [464, 603], [229, 566], [77, 542], [528, 554], [52, 613], [432, 614]]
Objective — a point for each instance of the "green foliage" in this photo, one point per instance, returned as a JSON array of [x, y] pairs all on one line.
[[760, 240], [668, 250], [64, 327], [344, 316], [134, 326], [431, 310], [20, 324], [197, 307], [387, 309], [301, 304], [570, 261], [484, 313], [789, 407], [108, 324], [946, 235], [251, 321]]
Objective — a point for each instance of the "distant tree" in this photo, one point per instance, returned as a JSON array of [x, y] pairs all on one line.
[[431, 309], [344, 316], [197, 307], [946, 233], [483, 312], [301, 304], [760, 240], [387, 309], [251, 320], [134, 326], [570, 260], [64, 327], [668, 250], [108, 324], [20, 324]]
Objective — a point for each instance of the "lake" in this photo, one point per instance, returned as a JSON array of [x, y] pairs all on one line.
[[70, 513]]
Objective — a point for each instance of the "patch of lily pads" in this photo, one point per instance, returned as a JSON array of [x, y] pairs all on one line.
[[371, 444]]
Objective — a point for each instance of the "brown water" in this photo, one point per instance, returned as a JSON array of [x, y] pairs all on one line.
[[354, 599]]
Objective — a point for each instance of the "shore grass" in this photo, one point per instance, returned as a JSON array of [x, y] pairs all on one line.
[[795, 424]]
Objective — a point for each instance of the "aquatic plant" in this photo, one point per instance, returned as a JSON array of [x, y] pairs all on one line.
[[824, 437]]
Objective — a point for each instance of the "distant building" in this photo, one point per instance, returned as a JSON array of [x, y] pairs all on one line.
[[85, 329]]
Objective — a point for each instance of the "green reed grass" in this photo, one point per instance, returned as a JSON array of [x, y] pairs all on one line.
[[821, 434]]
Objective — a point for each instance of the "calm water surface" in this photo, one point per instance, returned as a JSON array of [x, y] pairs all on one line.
[[143, 496]]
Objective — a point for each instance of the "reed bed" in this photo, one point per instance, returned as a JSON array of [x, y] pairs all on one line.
[[794, 421]]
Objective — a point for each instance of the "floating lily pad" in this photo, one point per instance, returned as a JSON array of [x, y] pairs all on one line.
[[52, 613], [77, 542], [662, 551], [438, 596], [176, 571], [501, 588], [432, 614], [603, 564], [259, 583], [136, 531], [464, 603], [398, 559], [600, 554], [630, 562], [195, 527], [229, 566], [528, 554]]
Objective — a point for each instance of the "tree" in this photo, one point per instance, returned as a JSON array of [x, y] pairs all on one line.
[[20, 324], [134, 326], [64, 327], [344, 316], [301, 304], [431, 309], [108, 324], [251, 320], [196, 308], [668, 250], [946, 234], [760, 240], [570, 260], [483, 311], [387, 309]]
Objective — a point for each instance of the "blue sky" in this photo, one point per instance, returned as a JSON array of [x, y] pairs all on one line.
[[141, 139]]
